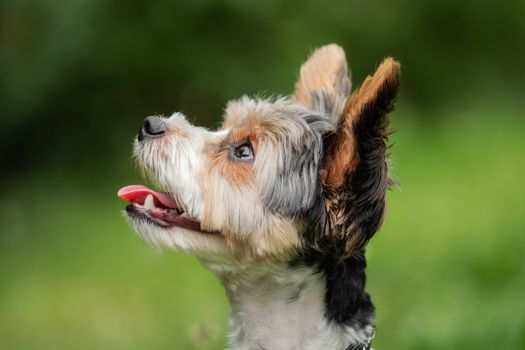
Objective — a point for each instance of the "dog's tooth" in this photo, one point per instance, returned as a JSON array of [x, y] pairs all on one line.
[[149, 203]]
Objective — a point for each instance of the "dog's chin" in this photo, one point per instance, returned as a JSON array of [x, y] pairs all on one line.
[[174, 231]]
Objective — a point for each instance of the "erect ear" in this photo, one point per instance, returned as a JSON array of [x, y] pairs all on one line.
[[355, 178], [363, 133], [323, 81]]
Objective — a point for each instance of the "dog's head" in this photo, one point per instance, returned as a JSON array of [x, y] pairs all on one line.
[[279, 177]]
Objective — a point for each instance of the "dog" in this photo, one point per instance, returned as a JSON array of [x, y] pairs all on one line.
[[279, 203]]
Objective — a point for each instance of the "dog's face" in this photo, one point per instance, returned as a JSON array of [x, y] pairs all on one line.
[[244, 187], [278, 177]]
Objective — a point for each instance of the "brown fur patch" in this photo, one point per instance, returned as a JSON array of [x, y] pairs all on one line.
[[341, 153], [217, 159], [249, 132]]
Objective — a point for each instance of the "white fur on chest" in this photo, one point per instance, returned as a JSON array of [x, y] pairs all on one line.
[[277, 308]]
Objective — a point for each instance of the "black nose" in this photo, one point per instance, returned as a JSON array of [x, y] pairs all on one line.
[[152, 126]]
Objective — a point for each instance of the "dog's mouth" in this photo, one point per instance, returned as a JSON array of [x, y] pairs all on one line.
[[159, 208]]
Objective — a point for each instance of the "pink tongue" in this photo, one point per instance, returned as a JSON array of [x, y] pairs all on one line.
[[138, 193]]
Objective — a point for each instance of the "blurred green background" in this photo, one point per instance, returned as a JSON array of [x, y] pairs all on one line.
[[78, 76]]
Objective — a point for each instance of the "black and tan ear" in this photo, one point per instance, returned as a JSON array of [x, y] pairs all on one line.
[[355, 178], [323, 79]]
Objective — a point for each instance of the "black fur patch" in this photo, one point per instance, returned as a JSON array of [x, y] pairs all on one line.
[[346, 300], [369, 181]]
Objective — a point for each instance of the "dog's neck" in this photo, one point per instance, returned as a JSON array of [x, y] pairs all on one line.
[[280, 306]]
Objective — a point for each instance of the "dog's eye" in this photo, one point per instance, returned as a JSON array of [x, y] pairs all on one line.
[[243, 152]]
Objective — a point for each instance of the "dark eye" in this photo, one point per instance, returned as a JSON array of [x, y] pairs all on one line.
[[243, 152]]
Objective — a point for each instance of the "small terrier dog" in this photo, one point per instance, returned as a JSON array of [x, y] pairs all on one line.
[[279, 203]]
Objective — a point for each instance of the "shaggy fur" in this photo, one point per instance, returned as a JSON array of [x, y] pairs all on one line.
[[279, 203]]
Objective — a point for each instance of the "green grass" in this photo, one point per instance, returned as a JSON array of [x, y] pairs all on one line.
[[446, 271]]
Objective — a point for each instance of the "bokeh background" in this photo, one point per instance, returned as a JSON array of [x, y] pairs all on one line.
[[78, 76]]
